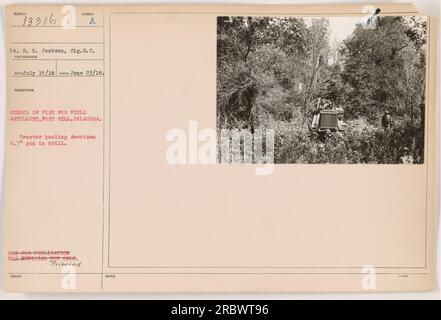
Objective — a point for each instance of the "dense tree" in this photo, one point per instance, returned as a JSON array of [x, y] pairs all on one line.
[[383, 70], [252, 59], [271, 71]]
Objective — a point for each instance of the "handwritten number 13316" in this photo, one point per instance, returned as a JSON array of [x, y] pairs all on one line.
[[29, 21]]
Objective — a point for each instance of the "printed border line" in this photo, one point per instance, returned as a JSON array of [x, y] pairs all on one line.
[[224, 267], [214, 273], [311, 14], [104, 151]]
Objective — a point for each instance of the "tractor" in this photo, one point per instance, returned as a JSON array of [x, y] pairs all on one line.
[[327, 117]]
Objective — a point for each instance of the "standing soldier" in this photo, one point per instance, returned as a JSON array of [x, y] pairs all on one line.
[[386, 120]]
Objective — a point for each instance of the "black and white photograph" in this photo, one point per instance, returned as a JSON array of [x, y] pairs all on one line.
[[331, 90]]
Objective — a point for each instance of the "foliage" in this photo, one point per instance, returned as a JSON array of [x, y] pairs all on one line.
[[384, 69], [271, 71], [368, 145]]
